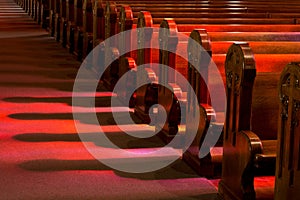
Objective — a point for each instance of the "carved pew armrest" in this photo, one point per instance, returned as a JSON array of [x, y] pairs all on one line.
[[248, 145], [211, 117]]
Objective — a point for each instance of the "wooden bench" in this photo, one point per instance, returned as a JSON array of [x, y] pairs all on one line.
[[54, 13], [68, 17], [76, 30], [98, 22], [287, 182], [113, 7], [220, 42], [249, 146], [62, 22], [45, 14], [70, 25], [155, 56], [74, 13], [83, 35], [127, 22]]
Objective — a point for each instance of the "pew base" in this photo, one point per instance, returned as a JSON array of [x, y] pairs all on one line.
[[166, 137], [225, 193], [205, 166], [140, 113], [146, 99]]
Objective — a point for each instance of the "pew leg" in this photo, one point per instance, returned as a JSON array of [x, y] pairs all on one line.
[[238, 167], [64, 34], [80, 45], [146, 97], [57, 27]]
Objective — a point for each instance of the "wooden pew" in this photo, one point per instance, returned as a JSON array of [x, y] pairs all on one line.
[[98, 22], [195, 13], [83, 35], [76, 32], [52, 11], [70, 26], [249, 146], [139, 108], [67, 17], [103, 27], [127, 22], [219, 46], [57, 20], [75, 19], [156, 14], [62, 22], [287, 184], [45, 14], [212, 3]]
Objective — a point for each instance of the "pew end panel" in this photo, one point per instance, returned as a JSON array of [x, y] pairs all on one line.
[[287, 182], [45, 14], [98, 22], [125, 92], [170, 94], [87, 28], [63, 22], [110, 75], [125, 25], [146, 95], [249, 147], [199, 54]]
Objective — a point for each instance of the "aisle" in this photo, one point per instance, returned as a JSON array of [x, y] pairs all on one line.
[[41, 154]]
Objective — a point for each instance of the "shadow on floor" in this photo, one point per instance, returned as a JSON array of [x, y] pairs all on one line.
[[103, 118], [104, 101], [176, 170], [120, 139]]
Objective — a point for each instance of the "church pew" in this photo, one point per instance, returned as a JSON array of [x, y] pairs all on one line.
[[53, 17], [287, 184], [98, 22], [193, 14], [141, 109], [127, 22], [45, 14], [67, 18], [292, 9], [218, 36], [62, 22], [249, 146], [70, 25], [52, 8], [158, 20], [212, 3], [103, 27], [83, 33], [130, 21], [30, 7], [34, 12], [219, 46], [76, 32], [74, 16], [113, 8], [88, 29], [57, 19]]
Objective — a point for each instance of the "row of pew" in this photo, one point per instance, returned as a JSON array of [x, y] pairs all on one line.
[[254, 46]]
